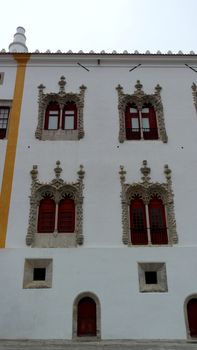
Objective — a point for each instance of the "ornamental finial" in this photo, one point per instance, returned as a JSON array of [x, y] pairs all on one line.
[[34, 172], [58, 169], [81, 172], [122, 173], [62, 84], [145, 172], [167, 172]]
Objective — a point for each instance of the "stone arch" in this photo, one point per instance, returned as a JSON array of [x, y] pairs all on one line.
[[98, 315], [187, 300]]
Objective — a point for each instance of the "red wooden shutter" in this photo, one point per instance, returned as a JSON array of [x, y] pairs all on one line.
[[69, 107], [86, 317], [152, 132], [46, 216], [52, 111], [192, 317], [158, 229], [66, 215], [132, 133], [138, 225]]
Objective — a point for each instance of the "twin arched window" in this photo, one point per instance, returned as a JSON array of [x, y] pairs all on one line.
[[148, 222], [140, 124], [61, 118], [52, 216]]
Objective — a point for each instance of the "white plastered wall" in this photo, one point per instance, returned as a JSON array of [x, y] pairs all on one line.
[[103, 265]]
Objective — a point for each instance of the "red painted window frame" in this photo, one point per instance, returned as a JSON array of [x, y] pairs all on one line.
[[130, 133], [46, 213], [52, 106], [66, 215], [86, 317], [139, 235], [152, 134], [70, 106], [3, 131], [158, 234]]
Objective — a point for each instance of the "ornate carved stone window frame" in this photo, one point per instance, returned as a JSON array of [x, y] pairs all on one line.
[[191, 296], [194, 93], [139, 98], [146, 190], [56, 189], [61, 98], [160, 269], [98, 316]]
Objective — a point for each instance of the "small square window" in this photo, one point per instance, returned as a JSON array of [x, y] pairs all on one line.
[[152, 277], [37, 273]]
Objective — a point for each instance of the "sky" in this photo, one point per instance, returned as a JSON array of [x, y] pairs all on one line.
[[102, 25]]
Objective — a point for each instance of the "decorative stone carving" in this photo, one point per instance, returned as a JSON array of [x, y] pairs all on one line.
[[146, 190], [57, 189], [139, 98], [194, 93], [61, 98]]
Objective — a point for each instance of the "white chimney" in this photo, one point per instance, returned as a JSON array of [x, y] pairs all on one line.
[[18, 44]]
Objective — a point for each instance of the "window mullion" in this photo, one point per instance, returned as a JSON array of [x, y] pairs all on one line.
[[167, 229], [61, 117], [56, 218], [148, 223], [140, 125]]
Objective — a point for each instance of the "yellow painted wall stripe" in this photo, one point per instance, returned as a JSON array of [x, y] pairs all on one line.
[[14, 120]]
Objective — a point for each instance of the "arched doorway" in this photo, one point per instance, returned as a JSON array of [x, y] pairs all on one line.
[[192, 317], [86, 316]]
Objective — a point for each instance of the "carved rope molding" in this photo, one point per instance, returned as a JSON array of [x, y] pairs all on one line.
[[139, 98], [146, 190], [61, 98], [56, 189]]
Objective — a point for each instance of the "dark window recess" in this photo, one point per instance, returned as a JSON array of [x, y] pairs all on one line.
[[39, 274], [158, 229], [138, 225], [46, 216], [66, 215], [4, 114], [151, 277]]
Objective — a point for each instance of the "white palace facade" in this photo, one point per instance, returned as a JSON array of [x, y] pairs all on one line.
[[98, 180]]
